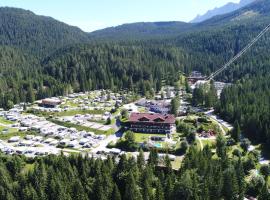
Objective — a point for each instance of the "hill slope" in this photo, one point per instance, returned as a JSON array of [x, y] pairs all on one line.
[[143, 30], [36, 34], [229, 7]]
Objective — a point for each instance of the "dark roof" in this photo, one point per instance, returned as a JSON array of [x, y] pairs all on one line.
[[152, 117], [51, 102]]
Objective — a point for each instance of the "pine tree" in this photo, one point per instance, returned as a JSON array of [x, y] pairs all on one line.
[[265, 171], [146, 189], [264, 194], [175, 104], [168, 163], [99, 192], [116, 193], [221, 146], [241, 179], [78, 192], [236, 132], [30, 96], [168, 188], [153, 157], [159, 194], [132, 191], [140, 159], [230, 186]]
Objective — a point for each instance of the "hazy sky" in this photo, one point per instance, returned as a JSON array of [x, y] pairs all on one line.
[[91, 15]]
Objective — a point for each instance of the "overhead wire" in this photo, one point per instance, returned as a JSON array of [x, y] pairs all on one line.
[[238, 55]]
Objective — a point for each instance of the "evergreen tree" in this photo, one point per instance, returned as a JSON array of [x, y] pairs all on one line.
[[230, 188], [264, 194], [236, 132], [175, 104], [116, 193], [221, 146], [265, 171], [168, 163], [132, 191], [30, 96], [153, 157], [245, 144], [141, 159], [159, 194]]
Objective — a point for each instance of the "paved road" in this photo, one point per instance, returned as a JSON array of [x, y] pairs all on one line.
[[220, 122], [103, 144]]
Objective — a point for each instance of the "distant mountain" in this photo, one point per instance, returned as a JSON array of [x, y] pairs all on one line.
[[254, 14], [223, 36], [142, 30], [34, 33], [163, 30], [221, 10]]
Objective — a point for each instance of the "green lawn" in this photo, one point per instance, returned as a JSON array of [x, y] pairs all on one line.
[[142, 109], [178, 136], [70, 104], [208, 142], [142, 137], [176, 164], [82, 128], [10, 130], [98, 121], [82, 112], [11, 133], [4, 121], [28, 168], [66, 113]]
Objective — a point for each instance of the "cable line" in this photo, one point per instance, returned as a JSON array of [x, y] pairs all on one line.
[[242, 52]]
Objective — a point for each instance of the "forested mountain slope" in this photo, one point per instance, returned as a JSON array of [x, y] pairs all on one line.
[[136, 67], [140, 65], [201, 176], [258, 10], [223, 37], [36, 34], [141, 31], [248, 103], [22, 78]]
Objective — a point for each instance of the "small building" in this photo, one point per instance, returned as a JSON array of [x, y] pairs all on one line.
[[152, 123], [162, 107], [50, 103], [195, 76], [141, 102], [14, 139]]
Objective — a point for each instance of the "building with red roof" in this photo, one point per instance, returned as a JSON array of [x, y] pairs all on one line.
[[152, 123], [50, 103]]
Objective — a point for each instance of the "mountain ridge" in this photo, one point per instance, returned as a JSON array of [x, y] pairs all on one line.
[[35, 33], [142, 29], [227, 8]]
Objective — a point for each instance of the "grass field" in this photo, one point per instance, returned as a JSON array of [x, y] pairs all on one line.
[[209, 142], [142, 137], [176, 164], [4, 121], [82, 128], [82, 112], [11, 133], [28, 168], [9, 130], [66, 113], [142, 109], [70, 104], [98, 121]]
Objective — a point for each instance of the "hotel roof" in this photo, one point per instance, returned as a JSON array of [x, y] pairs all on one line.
[[152, 117]]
